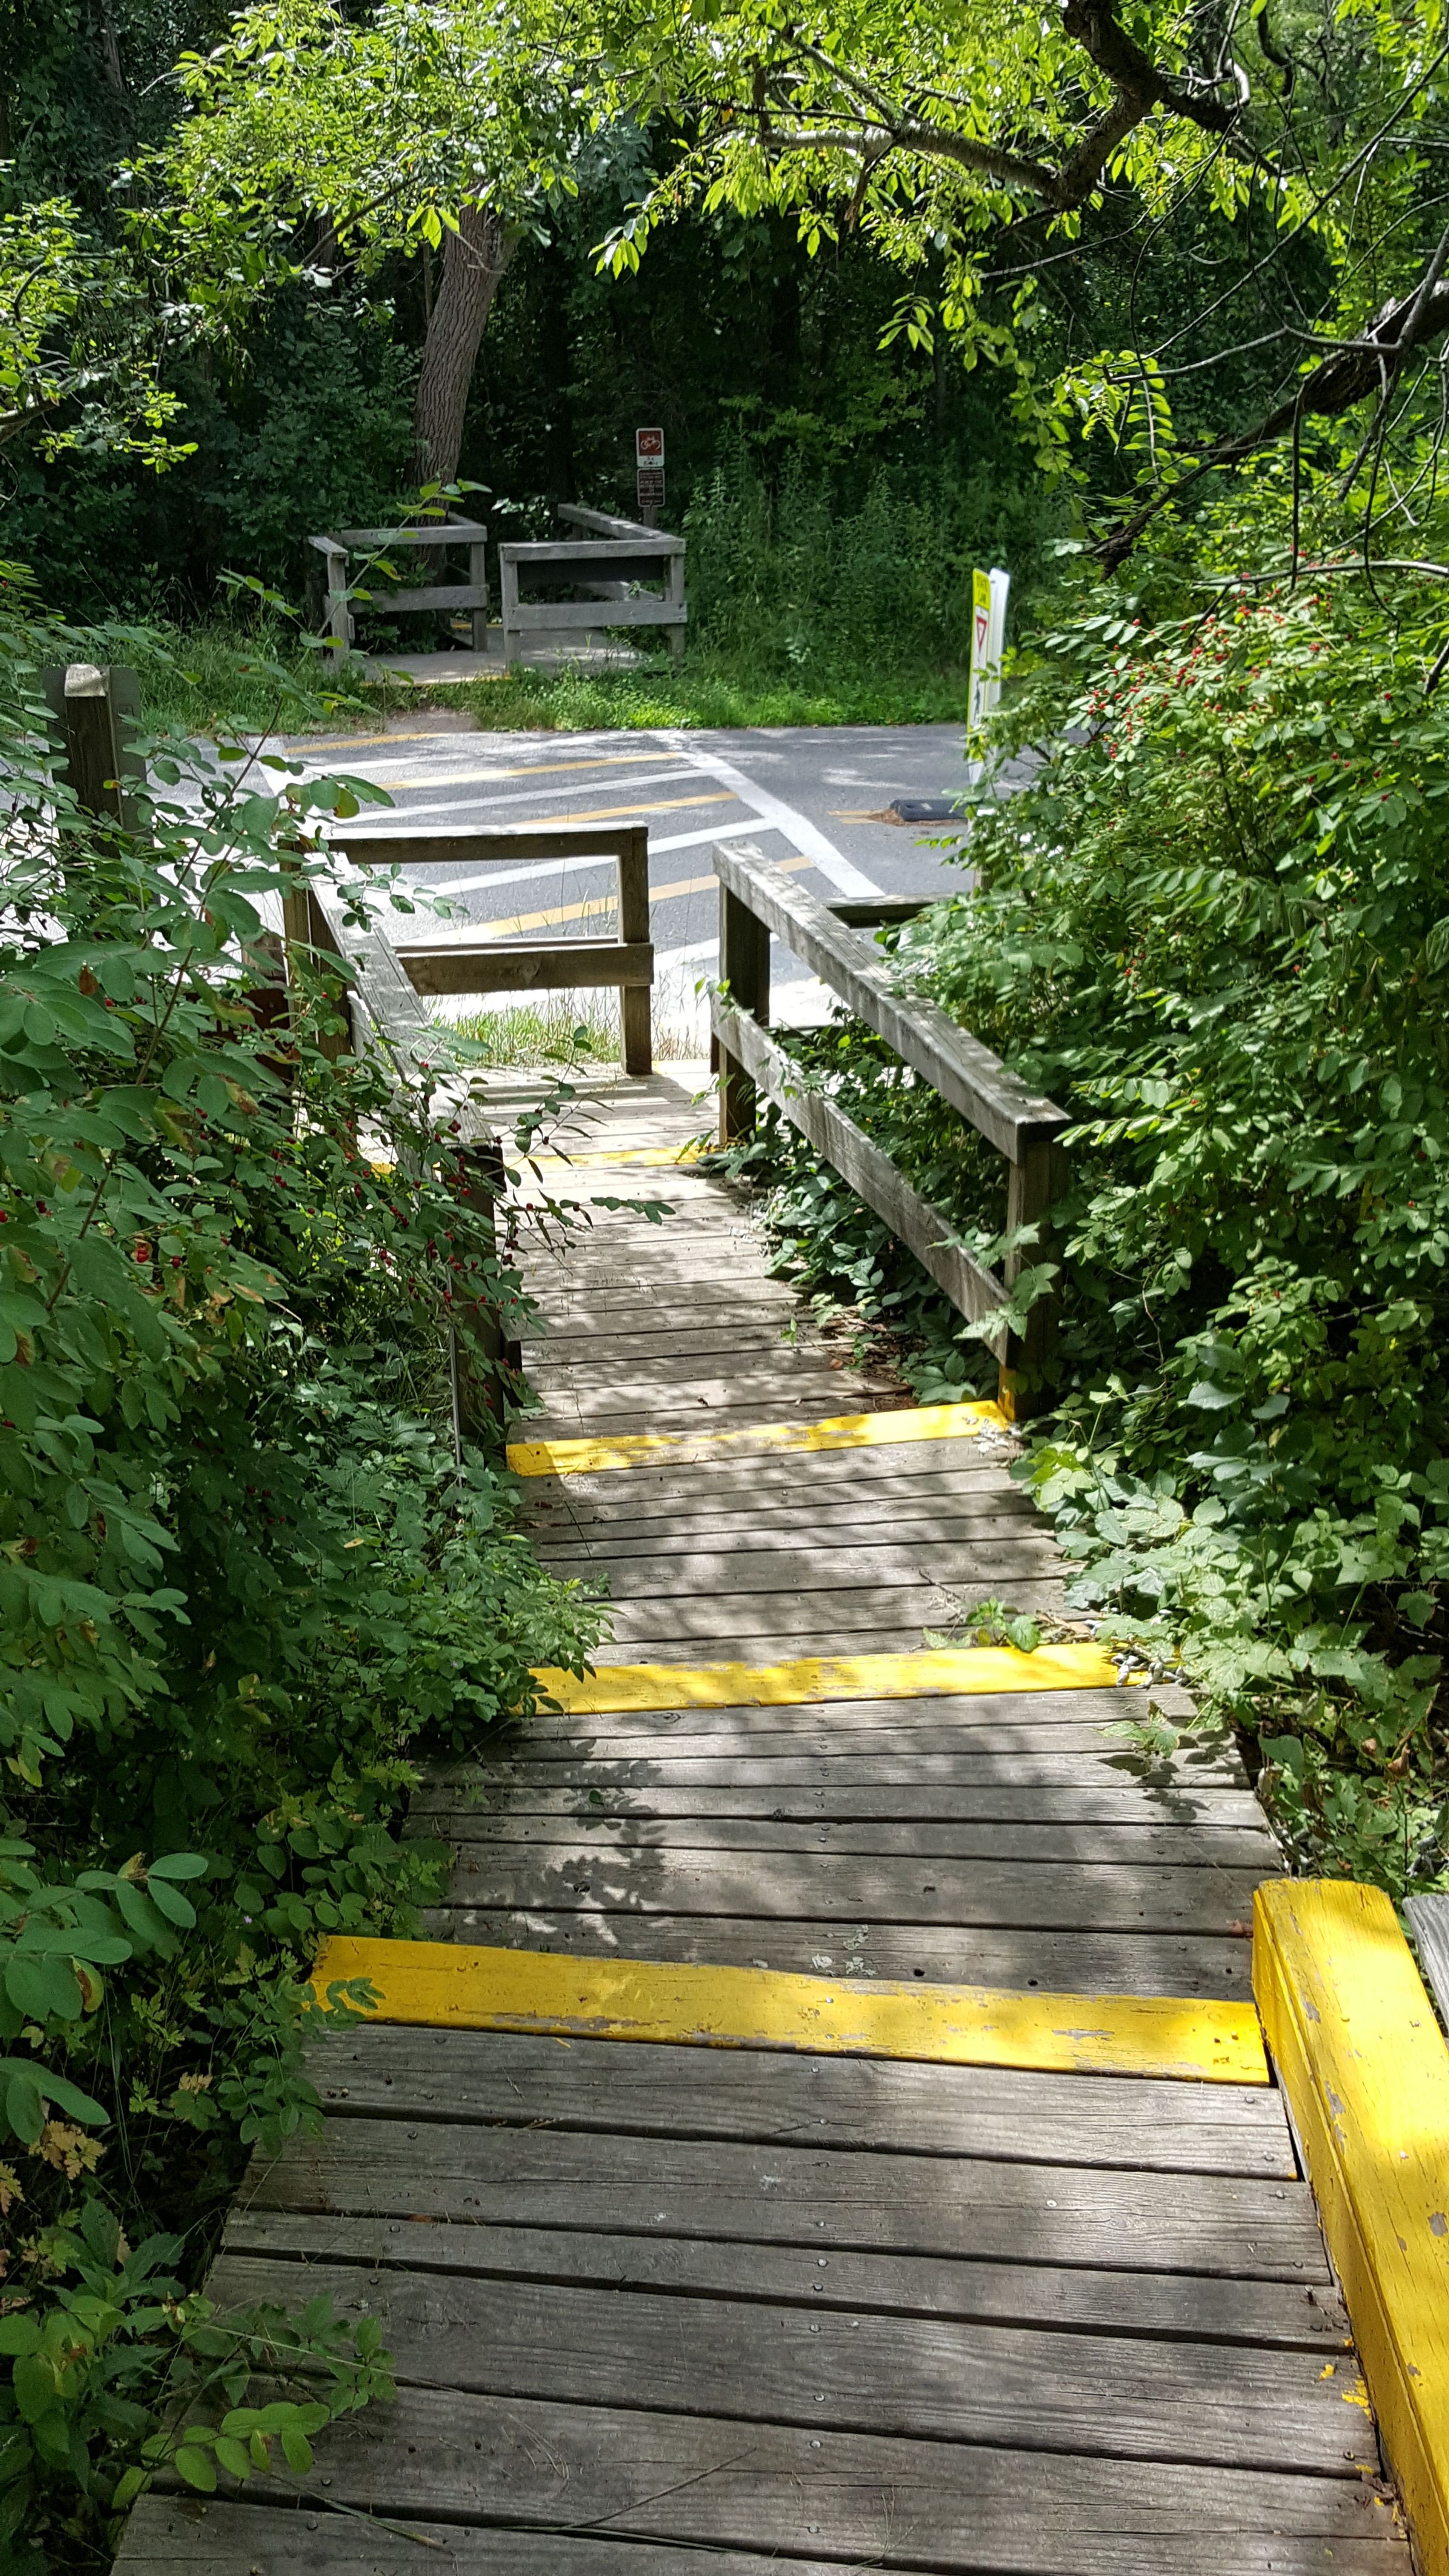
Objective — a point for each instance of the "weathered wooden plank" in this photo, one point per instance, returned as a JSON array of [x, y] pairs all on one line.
[[955, 1064], [720, 1479], [672, 1341], [577, 516], [1102, 1796], [777, 2096], [221, 2536], [873, 1769], [555, 1758], [1147, 2303], [840, 1887], [939, 2505], [632, 1737], [1137, 1844], [587, 1534], [790, 1624], [636, 1380], [805, 1573], [518, 966], [974, 1712], [466, 845], [1008, 1722], [930, 2377], [531, 617], [1428, 1918], [1081, 1962], [783, 2194]]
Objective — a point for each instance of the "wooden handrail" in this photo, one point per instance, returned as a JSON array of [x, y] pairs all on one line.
[[756, 900], [470, 964], [975, 1081]]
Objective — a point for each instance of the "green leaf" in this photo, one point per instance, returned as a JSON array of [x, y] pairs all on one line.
[[235, 2457], [1209, 1398], [18, 2334], [178, 1865], [297, 2450], [197, 2468], [170, 1902]]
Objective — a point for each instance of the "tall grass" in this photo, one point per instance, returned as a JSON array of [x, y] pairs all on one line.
[[578, 1029]]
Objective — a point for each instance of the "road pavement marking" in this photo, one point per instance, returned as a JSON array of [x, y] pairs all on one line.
[[785, 818], [521, 921]]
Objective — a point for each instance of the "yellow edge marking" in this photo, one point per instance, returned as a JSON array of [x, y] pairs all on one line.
[[935, 1671], [841, 1431], [1366, 2072], [444, 1985]]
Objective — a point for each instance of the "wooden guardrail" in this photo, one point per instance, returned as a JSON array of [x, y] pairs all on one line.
[[343, 597], [756, 903], [467, 962], [606, 564]]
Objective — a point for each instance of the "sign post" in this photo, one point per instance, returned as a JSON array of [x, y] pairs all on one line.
[[988, 640], [649, 475]]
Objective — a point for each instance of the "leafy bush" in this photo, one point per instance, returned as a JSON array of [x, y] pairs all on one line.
[[787, 580], [241, 1577], [1216, 928]]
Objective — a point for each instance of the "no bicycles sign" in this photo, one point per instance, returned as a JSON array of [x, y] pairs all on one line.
[[649, 473]]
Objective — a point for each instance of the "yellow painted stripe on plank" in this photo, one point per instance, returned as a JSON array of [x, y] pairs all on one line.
[[445, 1985], [637, 1154], [964, 1671], [840, 1431], [1364, 2066]]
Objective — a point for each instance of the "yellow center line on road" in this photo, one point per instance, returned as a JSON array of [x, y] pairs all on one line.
[[601, 903], [550, 822], [529, 769]]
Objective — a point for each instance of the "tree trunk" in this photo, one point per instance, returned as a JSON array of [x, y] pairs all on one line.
[[474, 259]]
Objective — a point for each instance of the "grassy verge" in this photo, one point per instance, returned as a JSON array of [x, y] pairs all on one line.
[[196, 679], [694, 696]]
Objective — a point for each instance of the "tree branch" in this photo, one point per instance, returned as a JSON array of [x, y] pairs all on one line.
[[1355, 369], [1137, 84]]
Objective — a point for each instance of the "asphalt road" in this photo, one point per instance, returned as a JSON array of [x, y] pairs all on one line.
[[812, 798]]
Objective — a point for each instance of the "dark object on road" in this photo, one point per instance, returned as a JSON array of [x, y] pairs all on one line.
[[923, 809]]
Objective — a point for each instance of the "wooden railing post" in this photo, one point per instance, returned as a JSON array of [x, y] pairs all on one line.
[[1033, 1181], [508, 603], [674, 593], [478, 580], [339, 619], [744, 965], [92, 741], [634, 999]]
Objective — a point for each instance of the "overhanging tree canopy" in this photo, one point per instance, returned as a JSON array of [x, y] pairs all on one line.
[[322, 143], [994, 153]]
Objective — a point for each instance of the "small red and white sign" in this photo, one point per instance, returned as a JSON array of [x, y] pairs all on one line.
[[649, 451]]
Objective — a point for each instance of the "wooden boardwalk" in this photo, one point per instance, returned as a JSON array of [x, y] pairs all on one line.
[[649, 2301]]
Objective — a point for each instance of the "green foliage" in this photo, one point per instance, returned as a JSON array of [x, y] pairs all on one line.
[[697, 696], [242, 1577], [788, 580], [1214, 929]]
